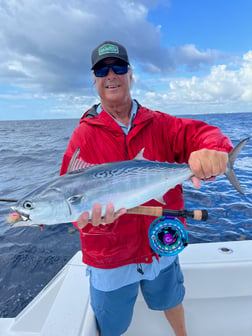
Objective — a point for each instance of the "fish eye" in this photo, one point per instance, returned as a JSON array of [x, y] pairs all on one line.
[[28, 205]]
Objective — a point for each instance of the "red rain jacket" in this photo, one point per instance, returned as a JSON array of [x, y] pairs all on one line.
[[164, 138]]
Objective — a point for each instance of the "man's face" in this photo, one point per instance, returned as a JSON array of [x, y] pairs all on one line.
[[113, 88]]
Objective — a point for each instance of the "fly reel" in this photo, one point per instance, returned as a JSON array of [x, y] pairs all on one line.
[[167, 236]]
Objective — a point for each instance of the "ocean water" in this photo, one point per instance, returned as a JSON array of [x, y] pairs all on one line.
[[31, 154]]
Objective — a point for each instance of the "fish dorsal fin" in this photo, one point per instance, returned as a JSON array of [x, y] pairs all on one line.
[[140, 156], [73, 160], [77, 163]]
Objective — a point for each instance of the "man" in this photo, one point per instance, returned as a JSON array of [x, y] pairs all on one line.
[[119, 255]]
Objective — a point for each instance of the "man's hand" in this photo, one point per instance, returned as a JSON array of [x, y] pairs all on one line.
[[97, 219], [206, 164]]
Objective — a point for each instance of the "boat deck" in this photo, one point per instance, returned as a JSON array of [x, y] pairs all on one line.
[[218, 298]]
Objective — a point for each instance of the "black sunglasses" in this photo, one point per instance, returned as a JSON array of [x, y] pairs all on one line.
[[118, 70]]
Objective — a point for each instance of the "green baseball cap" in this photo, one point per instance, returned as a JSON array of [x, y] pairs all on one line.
[[109, 49]]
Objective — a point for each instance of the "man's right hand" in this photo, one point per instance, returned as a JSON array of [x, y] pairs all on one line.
[[97, 219]]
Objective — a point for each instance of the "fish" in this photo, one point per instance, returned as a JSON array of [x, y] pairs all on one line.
[[126, 184]]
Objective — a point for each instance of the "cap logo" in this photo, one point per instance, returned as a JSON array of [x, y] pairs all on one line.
[[108, 49]]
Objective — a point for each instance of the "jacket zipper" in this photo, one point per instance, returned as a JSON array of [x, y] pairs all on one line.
[[126, 148]]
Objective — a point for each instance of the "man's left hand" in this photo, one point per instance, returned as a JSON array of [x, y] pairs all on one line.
[[206, 164]]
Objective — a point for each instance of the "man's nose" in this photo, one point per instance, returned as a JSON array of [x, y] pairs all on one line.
[[111, 72]]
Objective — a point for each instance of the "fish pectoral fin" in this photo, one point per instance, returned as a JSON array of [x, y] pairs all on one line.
[[160, 199], [76, 199]]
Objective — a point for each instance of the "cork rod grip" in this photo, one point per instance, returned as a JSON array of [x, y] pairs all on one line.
[[146, 210], [159, 211]]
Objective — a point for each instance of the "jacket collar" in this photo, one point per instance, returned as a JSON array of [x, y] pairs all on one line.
[[91, 116]]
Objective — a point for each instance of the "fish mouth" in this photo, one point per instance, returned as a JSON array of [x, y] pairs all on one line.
[[19, 218], [25, 218], [24, 215]]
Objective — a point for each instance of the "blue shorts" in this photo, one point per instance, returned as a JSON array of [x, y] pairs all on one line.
[[114, 309]]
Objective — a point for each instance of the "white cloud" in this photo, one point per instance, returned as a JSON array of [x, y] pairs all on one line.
[[193, 58], [48, 42], [223, 86], [46, 47]]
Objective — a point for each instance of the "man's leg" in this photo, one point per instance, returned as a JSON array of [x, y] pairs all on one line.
[[166, 293], [177, 320], [114, 309]]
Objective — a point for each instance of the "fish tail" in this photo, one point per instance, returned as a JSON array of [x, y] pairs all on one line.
[[230, 174]]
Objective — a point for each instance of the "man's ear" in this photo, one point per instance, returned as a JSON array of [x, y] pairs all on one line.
[[131, 77]]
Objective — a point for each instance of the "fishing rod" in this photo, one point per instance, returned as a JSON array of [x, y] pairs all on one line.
[[156, 211]]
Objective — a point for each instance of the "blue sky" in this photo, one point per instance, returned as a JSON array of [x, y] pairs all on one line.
[[189, 57]]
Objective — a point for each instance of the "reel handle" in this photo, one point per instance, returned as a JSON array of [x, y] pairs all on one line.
[[159, 211]]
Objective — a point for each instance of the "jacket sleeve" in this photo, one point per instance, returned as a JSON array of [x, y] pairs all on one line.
[[187, 135]]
